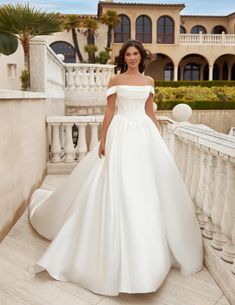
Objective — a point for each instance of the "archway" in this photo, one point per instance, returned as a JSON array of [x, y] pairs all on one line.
[[225, 65], [161, 67], [65, 48], [193, 67]]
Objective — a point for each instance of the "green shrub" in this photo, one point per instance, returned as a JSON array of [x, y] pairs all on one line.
[[203, 83], [198, 97], [25, 80], [197, 105]]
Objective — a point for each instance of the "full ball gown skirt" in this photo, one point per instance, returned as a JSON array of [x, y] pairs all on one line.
[[119, 223]]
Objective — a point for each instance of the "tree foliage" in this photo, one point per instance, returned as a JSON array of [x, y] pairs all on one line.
[[25, 22]]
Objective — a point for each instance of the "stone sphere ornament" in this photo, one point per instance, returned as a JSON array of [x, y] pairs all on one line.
[[61, 57], [181, 112]]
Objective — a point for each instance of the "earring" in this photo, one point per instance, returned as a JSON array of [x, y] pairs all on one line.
[[125, 65]]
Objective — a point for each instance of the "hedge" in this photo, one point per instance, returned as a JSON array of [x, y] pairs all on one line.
[[204, 83], [197, 105]]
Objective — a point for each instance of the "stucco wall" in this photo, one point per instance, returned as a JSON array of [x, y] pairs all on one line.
[[219, 120], [23, 151]]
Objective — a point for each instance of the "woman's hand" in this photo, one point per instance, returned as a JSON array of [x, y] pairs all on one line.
[[101, 149]]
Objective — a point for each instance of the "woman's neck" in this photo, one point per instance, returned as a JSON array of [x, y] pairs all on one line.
[[134, 71]]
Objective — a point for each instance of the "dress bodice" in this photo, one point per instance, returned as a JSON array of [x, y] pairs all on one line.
[[131, 100]]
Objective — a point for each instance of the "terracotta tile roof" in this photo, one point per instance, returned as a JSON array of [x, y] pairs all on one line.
[[210, 16], [82, 16]]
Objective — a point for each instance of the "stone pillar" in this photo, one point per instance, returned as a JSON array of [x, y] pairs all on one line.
[[176, 73], [38, 65], [210, 72]]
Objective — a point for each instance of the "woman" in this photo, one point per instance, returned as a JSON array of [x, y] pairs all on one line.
[[124, 216]]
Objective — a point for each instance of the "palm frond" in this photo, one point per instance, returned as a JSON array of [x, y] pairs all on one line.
[[25, 21]]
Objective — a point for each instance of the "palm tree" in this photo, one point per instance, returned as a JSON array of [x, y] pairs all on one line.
[[73, 22], [25, 22], [91, 26], [111, 19]]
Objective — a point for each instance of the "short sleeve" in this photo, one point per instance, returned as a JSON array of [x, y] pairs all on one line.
[[152, 90], [110, 91]]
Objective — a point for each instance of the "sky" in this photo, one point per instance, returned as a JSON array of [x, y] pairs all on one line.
[[193, 7]]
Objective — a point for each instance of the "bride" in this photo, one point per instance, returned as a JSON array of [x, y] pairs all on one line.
[[123, 217]]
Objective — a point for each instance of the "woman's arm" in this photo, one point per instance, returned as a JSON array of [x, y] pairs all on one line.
[[109, 112], [150, 111]]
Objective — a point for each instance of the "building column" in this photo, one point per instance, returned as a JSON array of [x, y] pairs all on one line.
[[175, 73], [211, 72]]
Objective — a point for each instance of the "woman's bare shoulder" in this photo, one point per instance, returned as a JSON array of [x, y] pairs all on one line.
[[149, 80]]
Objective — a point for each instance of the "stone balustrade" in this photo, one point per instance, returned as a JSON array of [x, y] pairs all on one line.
[[208, 39], [206, 160], [70, 138], [47, 72], [88, 77]]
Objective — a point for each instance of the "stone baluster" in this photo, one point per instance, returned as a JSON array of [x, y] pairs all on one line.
[[94, 135], [163, 132], [104, 78], [98, 79], [70, 78], [171, 140], [109, 73], [177, 150], [195, 176], [218, 239], [91, 78], [68, 143], [55, 143], [85, 81], [184, 158], [228, 249], [233, 235], [190, 162], [201, 185], [82, 145], [210, 193], [77, 78]]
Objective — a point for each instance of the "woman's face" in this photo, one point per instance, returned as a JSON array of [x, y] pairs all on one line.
[[132, 57]]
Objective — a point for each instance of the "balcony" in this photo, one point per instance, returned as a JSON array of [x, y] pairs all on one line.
[[208, 39]]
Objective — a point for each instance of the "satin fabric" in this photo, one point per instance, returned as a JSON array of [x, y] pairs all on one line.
[[119, 223]]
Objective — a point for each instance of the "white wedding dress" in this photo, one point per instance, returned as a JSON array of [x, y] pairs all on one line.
[[120, 222]]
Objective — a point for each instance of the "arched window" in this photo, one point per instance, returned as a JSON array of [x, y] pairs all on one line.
[[165, 30], [182, 30], [218, 30], [122, 31], [65, 48], [192, 72], [168, 71], [197, 29], [144, 29]]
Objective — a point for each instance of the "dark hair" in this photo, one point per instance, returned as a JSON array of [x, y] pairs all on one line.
[[120, 59]]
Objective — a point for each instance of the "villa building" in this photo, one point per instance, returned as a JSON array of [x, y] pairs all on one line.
[[183, 47]]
